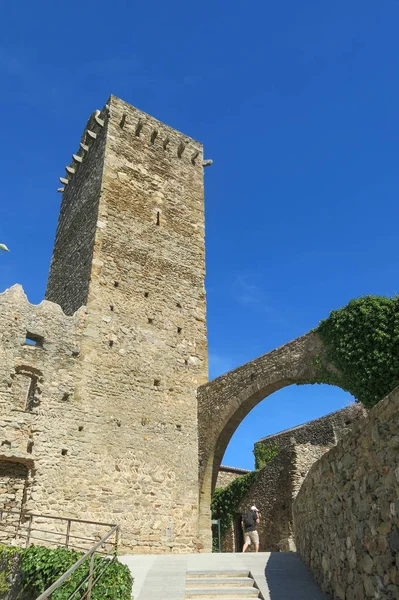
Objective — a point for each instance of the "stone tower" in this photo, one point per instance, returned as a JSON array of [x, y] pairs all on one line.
[[130, 248]]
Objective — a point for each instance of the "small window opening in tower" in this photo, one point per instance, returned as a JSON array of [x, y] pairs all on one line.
[[179, 330], [32, 339], [158, 218]]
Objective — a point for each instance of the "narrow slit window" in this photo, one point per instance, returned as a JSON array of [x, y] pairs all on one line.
[[158, 218]]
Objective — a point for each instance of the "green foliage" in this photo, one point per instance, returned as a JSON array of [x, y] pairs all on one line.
[[225, 501], [8, 558], [362, 343], [42, 566], [264, 453], [215, 543]]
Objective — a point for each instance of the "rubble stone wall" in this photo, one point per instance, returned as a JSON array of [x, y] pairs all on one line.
[[103, 408], [346, 514]]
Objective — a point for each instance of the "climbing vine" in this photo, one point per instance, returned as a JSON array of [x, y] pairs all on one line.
[[264, 453], [362, 344], [226, 500], [8, 564]]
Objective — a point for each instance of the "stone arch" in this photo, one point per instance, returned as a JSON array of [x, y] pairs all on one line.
[[224, 402]]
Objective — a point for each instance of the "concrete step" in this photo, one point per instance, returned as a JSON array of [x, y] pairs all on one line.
[[219, 581], [219, 573], [222, 592]]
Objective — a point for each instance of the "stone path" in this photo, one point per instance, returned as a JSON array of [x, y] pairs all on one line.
[[278, 575]]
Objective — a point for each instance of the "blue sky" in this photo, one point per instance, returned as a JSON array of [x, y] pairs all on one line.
[[296, 103]]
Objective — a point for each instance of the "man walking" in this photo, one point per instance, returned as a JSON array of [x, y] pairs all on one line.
[[250, 521]]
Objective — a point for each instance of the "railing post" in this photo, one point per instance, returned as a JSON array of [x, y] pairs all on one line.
[[68, 532], [29, 531], [90, 582], [116, 541]]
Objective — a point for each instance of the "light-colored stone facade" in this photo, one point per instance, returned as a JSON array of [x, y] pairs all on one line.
[[103, 409], [346, 514]]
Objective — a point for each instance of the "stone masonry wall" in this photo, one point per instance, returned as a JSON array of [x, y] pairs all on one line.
[[324, 431], [13, 479], [227, 474], [143, 346], [71, 263], [279, 481], [43, 430], [271, 494], [346, 514]]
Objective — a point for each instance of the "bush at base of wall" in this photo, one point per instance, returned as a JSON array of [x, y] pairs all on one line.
[[39, 567]]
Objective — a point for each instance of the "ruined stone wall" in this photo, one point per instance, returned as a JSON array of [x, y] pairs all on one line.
[[346, 514], [324, 431], [42, 450], [228, 474], [271, 494], [13, 480], [143, 349]]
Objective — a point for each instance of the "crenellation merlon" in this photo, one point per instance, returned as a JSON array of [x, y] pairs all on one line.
[[93, 126], [152, 132]]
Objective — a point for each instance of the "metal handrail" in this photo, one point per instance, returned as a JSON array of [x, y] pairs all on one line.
[[24, 514], [26, 528], [90, 554]]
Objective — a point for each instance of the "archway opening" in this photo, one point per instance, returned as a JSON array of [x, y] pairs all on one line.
[[286, 408], [269, 455]]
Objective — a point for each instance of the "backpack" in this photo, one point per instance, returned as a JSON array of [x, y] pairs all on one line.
[[249, 519]]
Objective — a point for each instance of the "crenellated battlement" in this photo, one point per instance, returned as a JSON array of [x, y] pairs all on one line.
[[154, 134], [94, 125], [141, 127]]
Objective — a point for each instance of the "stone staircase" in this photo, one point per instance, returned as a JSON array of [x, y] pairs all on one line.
[[227, 585], [240, 576]]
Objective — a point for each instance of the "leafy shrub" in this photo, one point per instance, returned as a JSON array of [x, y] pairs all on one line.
[[362, 343], [41, 567]]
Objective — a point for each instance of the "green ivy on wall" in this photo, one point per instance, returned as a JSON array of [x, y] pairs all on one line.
[[264, 453], [225, 501], [362, 343], [8, 558]]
